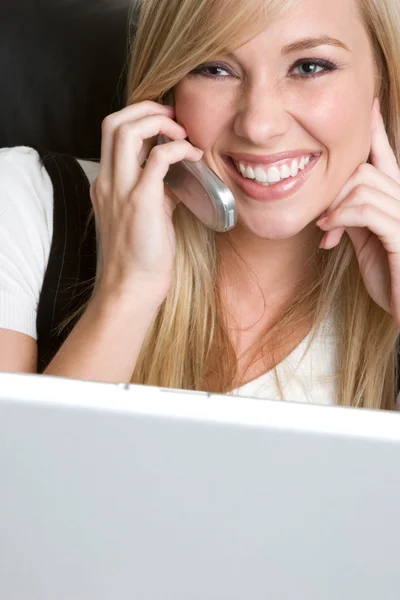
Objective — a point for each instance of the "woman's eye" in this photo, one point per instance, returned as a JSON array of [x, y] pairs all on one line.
[[312, 68], [305, 68], [213, 71]]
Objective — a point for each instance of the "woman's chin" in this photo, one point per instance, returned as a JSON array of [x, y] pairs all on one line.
[[274, 229]]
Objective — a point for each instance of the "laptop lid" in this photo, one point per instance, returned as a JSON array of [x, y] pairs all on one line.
[[114, 492]]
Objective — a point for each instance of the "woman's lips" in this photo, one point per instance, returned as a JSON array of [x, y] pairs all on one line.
[[276, 191]]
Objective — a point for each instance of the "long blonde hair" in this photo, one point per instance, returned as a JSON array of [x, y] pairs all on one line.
[[188, 345]]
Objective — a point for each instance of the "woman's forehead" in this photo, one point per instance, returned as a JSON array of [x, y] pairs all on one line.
[[305, 23]]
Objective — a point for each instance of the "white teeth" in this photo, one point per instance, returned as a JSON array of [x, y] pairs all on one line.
[[294, 169], [250, 173], [261, 175], [274, 175]]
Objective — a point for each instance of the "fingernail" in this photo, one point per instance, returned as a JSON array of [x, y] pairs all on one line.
[[322, 222]]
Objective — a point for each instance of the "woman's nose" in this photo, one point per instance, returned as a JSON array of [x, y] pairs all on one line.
[[262, 117]]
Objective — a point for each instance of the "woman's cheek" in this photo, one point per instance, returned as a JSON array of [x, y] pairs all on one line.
[[342, 116], [202, 114]]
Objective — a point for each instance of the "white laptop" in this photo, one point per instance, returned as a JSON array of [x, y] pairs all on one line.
[[124, 492]]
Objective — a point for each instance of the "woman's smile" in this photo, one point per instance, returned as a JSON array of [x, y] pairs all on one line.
[[267, 183]]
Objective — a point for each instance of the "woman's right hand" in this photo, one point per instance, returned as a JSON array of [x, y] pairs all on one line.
[[133, 207]]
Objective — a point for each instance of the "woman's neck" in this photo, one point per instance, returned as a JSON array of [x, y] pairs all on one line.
[[273, 268], [258, 280]]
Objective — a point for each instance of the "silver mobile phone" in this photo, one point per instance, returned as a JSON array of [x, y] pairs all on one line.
[[203, 192]]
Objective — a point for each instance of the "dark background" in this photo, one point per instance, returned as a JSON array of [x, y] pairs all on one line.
[[62, 70]]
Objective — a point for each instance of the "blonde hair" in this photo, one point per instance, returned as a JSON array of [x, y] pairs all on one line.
[[188, 345]]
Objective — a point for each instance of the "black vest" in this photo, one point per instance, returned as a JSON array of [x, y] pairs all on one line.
[[72, 261]]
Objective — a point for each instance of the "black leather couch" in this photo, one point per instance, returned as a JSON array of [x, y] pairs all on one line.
[[62, 70]]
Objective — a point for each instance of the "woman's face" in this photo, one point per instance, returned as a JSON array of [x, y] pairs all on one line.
[[293, 107]]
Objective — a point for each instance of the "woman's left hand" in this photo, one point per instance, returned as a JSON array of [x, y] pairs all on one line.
[[368, 209]]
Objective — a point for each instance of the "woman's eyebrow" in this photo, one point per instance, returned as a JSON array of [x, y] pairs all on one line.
[[308, 43]]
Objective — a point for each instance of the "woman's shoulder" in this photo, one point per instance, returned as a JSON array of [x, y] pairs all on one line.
[[26, 228], [27, 194], [19, 156], [19, 152], [21, 167], [28, 160], [25, 185]]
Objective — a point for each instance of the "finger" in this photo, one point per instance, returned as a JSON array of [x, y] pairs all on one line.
[[368, 176], [370, 217], [332, 238], [359, 237], [382, 155], [129, 140], [132, 112], [159, 161], [363, 194]]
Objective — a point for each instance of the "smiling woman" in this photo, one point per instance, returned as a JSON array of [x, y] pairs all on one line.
[[271, 88], [295, 105]]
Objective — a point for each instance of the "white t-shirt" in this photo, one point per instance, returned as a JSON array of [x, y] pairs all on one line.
[[308, 374], [26, 229]]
